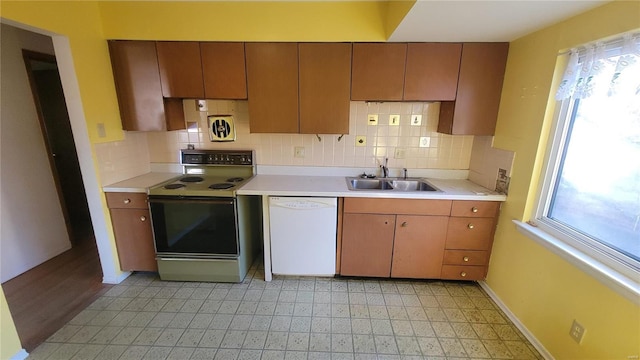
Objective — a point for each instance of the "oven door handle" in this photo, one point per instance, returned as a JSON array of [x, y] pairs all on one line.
[[190, 199]]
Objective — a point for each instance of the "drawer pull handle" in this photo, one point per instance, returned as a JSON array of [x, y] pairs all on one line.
[[465, 259], [404, 224], [143, 218], [126, 201], [470, 226], [463, 274], [474, 209]]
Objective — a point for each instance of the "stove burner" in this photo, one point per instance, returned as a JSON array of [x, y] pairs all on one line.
[[221, 186], [174, 186], [191, 179], [235, 179]]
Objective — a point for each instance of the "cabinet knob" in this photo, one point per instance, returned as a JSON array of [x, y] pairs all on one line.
[[465, 259], [470, 226], [404, 224], [143, 218], [474, 209], [126, 201], [463, 274]]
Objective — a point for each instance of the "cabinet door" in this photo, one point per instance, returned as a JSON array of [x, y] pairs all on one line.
[[272, 85], [475, 109], [180, 69], [432, 71], [223, 69], [378, 71], [325, 82], [135, 72], [418, 248], [134, 239], [367, 245]]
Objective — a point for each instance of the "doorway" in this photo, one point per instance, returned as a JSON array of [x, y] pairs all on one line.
[[48, 96]]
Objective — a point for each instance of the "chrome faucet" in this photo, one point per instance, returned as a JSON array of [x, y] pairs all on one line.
[[385, 169]]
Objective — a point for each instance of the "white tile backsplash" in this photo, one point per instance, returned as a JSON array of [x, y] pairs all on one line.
[[121, 160], [486, 160], [445, 151]]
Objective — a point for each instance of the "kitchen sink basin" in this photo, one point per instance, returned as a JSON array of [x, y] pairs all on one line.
[[394, 184]]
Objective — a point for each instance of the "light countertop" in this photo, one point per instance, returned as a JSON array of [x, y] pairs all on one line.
[[141, 183], [292, 185]]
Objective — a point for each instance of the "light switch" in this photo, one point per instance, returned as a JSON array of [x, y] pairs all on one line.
[[201, 105]]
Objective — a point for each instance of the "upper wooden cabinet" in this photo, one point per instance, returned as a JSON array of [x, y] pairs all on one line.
[[432, 71], [475, 109], [325, 83], [223, 69], [180, 69], [378, 71], [298, 88], [272, 85], [139, 89]]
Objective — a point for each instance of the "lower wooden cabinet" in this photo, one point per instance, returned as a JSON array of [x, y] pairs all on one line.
[[418, 239], [133, 231]]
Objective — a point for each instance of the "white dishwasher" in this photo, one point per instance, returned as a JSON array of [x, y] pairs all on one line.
[[303, 235]]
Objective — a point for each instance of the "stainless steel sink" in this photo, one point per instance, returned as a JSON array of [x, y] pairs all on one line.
[[395, 184]]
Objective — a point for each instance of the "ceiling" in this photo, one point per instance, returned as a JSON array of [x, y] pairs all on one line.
[[475, 21]]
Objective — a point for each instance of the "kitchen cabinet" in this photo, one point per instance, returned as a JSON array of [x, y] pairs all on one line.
[[378, 71], [469, 239], [393, 237], [298, 88], [223, 70], [272, 86], [405, 72], [180, 69], [475, 109], [139, 89], [132, 229], [432, 71], [325, 83]]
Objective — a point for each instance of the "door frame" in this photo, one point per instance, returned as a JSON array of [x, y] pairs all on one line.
[[111, 273]]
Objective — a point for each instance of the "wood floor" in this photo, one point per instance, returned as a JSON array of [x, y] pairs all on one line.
[[46, 297]]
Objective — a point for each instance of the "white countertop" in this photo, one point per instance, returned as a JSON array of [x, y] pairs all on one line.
[[292, 185], [141, 183]]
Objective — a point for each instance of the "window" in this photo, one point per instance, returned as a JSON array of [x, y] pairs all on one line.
[[590, 193]]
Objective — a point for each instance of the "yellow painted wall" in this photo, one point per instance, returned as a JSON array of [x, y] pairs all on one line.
[[545, 292], [9, 341]]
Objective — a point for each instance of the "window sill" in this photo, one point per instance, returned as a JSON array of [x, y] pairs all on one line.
[[618, 282]]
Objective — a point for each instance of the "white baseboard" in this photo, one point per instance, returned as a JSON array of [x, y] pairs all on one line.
[[514, 319], [116, 280], [20, 355]]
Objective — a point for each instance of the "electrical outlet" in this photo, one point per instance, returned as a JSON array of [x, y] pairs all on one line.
[[416, 120], [361, 141], [425, 141], [298, 152], [372, 119], [101, 130], [394, 120], [577, 331], [400, 153]]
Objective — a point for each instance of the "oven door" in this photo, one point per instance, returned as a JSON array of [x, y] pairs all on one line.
[[203, 227]]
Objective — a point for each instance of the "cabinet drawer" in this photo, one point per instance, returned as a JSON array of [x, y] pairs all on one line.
[[397, 206], [126, 200], [457, 272], [465, 257], [475, 208], [470, 233]]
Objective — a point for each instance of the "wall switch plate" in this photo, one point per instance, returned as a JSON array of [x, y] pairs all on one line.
[[577, 331], [201, 105], [372, 119], [394, 120], [298, 151], [416, 120], [361, 141], [425, 141], [101, 130], [400, 153]]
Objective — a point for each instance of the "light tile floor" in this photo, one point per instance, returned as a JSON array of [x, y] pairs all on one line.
[[289, 318]]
